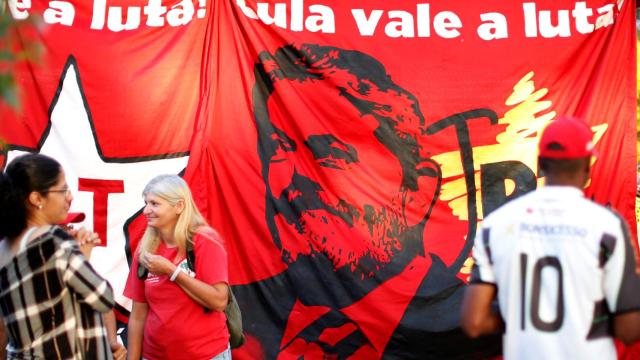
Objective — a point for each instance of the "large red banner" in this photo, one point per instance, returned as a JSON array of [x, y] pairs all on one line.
[[346, 150]]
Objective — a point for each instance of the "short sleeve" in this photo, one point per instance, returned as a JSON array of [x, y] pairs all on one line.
[[621, 282], [482, 270], [134, 288], [211, 258]]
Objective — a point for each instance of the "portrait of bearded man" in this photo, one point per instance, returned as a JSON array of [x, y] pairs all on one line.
[[349, 194]]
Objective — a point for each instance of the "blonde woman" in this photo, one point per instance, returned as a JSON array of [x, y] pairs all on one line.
[[177, 312]]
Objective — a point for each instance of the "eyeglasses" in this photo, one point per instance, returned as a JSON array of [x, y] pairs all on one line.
[[65, 191]]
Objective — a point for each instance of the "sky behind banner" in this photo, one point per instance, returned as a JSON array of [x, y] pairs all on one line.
[[346, 150]]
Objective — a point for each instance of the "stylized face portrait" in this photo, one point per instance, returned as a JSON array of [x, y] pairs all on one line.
[[347, 181]]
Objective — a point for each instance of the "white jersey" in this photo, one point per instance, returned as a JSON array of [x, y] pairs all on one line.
[[562, 266]]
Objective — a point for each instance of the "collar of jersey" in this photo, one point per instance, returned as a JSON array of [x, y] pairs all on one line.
[[562, 191]]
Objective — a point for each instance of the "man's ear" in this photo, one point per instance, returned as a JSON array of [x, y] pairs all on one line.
[[587, 170], [540, 167], [588, 165], [179, 206]]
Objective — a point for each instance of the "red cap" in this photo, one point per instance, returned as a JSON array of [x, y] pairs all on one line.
[[566, 138], [73, 217]]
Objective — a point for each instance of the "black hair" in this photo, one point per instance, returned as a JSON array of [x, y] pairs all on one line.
[[562, 166], [26, 173]]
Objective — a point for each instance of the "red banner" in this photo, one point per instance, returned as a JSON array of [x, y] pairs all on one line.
[[346, 150]]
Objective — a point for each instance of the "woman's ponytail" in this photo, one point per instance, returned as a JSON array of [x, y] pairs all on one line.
[[13, 214]]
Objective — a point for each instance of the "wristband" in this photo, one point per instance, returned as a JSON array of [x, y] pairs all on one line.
[[175, 274]]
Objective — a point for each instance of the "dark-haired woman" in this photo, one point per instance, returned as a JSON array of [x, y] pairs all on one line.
[[50, 297]]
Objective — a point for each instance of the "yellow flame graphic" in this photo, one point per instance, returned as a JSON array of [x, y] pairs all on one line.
[[529, 114]]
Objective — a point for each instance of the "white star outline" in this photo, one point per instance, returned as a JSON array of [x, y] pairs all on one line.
[[71, 139]]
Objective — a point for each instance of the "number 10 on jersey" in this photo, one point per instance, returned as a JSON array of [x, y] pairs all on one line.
[[550, 263]]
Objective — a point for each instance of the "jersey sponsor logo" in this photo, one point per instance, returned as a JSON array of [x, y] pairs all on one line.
[[559, 230]]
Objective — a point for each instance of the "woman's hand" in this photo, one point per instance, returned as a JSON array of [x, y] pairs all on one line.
[[86, 239], [158, 265], [119, 351]]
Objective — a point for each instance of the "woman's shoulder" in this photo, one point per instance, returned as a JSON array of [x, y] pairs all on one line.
[[49, 233], [5, 252], [61, 237], [59, 233], [44, 240], [56, 238], [207, 233]]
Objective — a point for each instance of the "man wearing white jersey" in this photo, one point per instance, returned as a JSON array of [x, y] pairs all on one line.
[[562, 267]]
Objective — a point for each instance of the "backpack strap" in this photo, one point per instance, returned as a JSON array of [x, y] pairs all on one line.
[[142, 271], [191, 256], [191, 262]]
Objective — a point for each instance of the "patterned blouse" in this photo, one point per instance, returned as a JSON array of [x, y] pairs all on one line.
[[51, 301]]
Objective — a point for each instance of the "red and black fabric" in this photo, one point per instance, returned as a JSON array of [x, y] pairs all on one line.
[[347, 165]]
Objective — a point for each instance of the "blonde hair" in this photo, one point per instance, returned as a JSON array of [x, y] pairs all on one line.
[[172, 189]]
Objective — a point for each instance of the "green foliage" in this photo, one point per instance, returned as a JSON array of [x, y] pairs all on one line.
[[7, 57], [10, 54], [8, 89]]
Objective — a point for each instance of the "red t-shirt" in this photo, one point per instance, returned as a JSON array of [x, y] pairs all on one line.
[[176, 326]]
